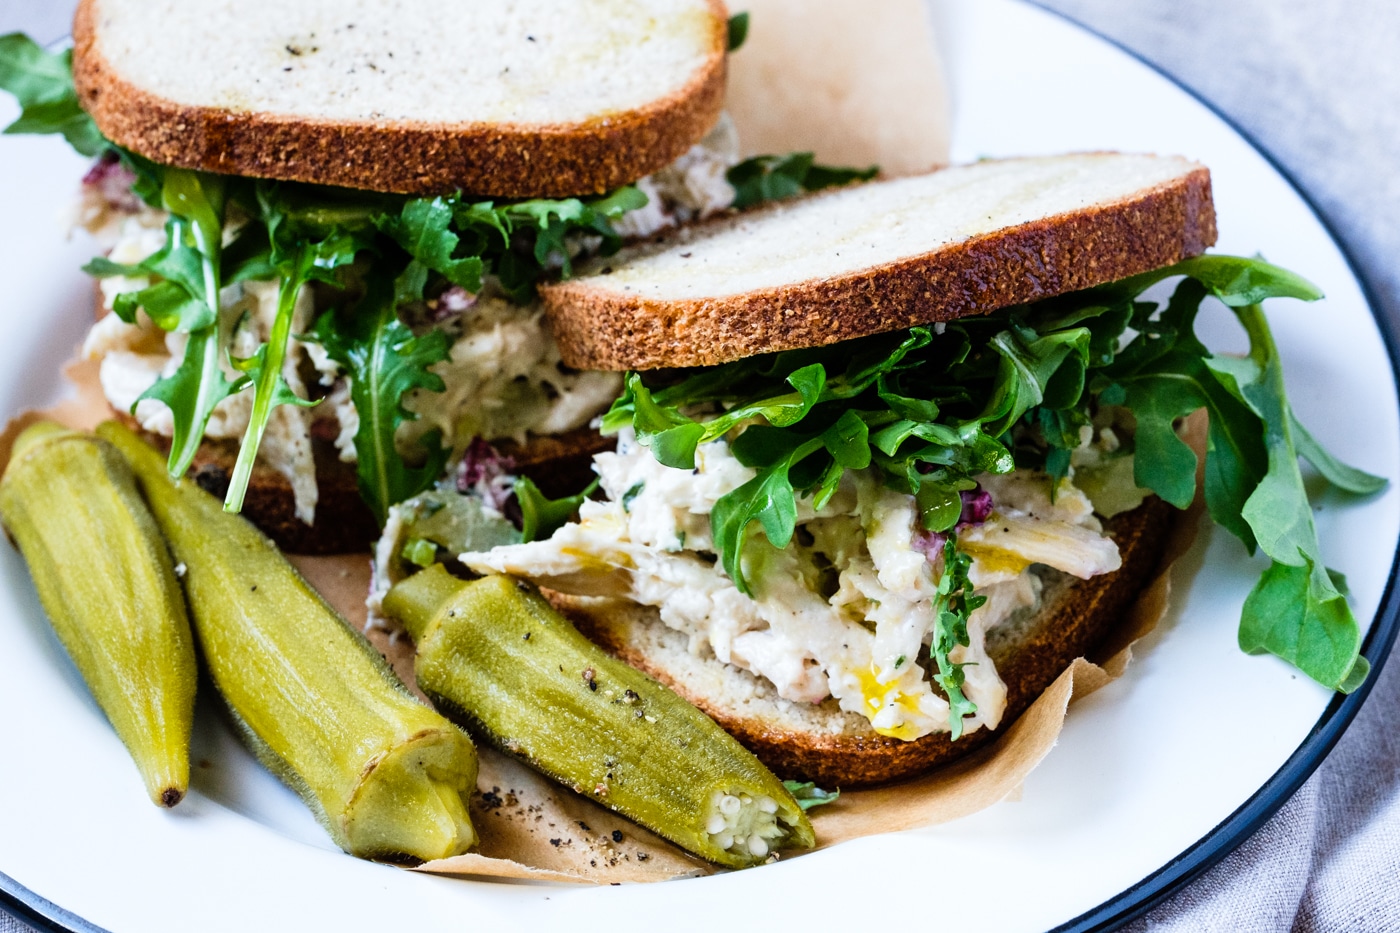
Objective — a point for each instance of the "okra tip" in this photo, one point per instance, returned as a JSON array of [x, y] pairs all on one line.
[[416, 600], [166, 775]]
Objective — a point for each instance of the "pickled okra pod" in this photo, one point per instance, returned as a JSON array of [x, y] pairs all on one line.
[[105, 579], [386, 775], [494, 654]]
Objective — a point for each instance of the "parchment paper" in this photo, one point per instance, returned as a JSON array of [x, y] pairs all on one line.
[[532, 830], [857, 83]]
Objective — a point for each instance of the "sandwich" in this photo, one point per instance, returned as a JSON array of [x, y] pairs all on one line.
[[890, 457], [317, 287], [886, 458]]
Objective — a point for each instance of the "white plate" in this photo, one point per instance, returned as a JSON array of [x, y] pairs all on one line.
[[1146, 770]]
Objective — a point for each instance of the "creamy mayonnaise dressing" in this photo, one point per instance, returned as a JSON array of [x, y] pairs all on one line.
[[846, 610]]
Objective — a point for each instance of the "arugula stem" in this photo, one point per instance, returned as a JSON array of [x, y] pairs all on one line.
[[264, 390]]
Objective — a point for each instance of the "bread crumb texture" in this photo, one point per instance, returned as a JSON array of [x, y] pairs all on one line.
[[872, 258], [512, 98]]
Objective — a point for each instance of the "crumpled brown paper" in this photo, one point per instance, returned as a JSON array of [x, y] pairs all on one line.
[[533, 830]]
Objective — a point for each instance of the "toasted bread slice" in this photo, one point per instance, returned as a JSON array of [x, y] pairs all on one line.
[[839, 749], [517, 98], [559, 464], [874, 258]]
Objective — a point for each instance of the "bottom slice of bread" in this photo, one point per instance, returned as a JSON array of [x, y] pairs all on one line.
[[559, 464], [822, 743]]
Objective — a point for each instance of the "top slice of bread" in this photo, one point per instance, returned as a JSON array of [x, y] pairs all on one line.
[[503, 98], [872, 258]]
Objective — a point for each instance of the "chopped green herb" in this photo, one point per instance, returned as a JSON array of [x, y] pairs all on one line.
[[420, 552]]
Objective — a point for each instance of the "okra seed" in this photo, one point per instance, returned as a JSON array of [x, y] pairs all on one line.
[[729, 806], [757, 846], [725, 841], [715, 825], [768, 805]]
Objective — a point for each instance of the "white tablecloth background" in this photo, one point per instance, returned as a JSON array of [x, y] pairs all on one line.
[[1317, 85]]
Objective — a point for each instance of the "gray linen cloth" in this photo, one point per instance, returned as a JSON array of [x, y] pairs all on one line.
[[1317, 85]]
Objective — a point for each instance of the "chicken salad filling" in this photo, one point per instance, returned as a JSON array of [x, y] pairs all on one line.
[[847, 609]]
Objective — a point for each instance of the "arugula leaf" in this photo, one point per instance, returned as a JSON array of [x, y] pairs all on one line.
[[809, 795], [952, 607], [776, 178], [768, 499], [1298, 614], [43, 85], [193, 259], [385, 361], [1346, 478], [548, 222], [738, 30], [424, 229], [540, 515], [191, 392], [1320, 636]]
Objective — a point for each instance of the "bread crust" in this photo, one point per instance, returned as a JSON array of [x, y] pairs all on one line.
[[612, 330], [403, 157], [1068, 628]]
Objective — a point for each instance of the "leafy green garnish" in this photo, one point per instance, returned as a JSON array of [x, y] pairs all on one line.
[[809, 795], [738, 30], [952, 607], [385, 360], [189, 301], [542, 516], [1012, 389], [43, 85], [776, 178]]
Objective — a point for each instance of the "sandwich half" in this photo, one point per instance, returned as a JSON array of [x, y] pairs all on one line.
[[321, 244], [322, 241], [890, 457]]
